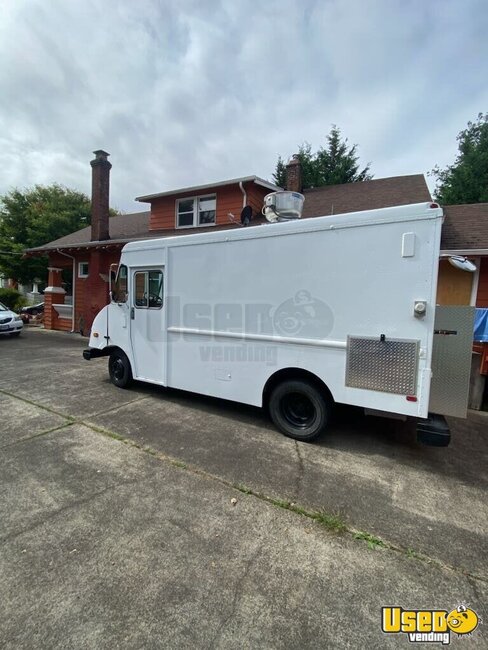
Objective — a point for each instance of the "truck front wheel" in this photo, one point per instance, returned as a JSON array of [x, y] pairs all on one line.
[[299, 409], [119, 369]]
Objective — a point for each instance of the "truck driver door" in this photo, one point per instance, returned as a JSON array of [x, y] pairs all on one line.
[[147, 324]]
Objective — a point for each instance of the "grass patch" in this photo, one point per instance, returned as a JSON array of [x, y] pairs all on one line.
[[179, 463], [332, 522], [243, 489], [372, 541], [112, 434]]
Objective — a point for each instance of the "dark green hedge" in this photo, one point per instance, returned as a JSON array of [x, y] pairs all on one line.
[[11, 298]]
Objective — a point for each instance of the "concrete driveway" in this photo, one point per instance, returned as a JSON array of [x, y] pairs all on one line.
[[118, 528]]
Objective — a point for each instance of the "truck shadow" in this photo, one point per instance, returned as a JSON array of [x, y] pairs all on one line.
[[350, 431]]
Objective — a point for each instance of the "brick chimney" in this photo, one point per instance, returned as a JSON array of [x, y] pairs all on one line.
[[294, 175], [100, 196]]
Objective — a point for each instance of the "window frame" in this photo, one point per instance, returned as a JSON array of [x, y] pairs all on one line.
[[196, 211], [81, 275], [146, 272]]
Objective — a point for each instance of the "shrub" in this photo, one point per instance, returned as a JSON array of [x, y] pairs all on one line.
[[11, 298]]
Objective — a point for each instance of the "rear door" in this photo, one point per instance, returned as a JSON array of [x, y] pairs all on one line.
[[147, 329], [451, 360]]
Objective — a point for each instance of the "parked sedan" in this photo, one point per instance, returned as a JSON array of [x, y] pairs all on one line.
[[10, 322]]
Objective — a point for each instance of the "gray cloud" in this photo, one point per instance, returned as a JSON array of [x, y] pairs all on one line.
[[188, 92]]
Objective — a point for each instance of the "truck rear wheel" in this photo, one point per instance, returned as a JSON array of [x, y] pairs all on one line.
[[299, 409], [119, 369]]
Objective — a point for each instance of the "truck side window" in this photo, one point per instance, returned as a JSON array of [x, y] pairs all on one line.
[[155, 282], [148, 289], [120, 290]]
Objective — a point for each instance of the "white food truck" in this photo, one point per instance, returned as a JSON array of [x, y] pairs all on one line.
[[295, 316]]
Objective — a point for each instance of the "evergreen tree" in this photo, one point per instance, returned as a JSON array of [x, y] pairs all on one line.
[[333, 164], [466, 181]]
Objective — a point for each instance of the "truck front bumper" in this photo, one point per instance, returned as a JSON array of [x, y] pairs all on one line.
[[94, 353]]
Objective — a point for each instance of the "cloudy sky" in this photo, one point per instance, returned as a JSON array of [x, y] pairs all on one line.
[[189, 91]]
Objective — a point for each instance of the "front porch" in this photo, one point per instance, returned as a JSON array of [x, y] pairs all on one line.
[[78, 287]]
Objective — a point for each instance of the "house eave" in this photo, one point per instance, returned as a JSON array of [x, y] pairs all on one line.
[[108, 243], [464, 251], [202, 188]]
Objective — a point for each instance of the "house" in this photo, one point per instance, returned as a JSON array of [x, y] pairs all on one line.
[[80, 262], [85, 256], [465, 233]]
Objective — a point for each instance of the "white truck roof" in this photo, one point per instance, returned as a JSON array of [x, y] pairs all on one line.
[[411, 212]]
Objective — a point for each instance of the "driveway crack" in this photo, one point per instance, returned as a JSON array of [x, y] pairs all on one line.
[[52, 515], [236, 595], [37, 435], [114, 408]]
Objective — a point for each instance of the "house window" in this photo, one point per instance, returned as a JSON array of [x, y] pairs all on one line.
[[148, 289], [196, 211], [83, 269]]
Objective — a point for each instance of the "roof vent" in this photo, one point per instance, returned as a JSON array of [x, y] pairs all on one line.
[[283, 206]]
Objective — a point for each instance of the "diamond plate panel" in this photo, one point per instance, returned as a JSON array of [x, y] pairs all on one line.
[[451, 360], [388, 366]]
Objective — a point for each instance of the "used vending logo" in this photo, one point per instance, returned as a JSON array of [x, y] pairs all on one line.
[[303, 315], [429, 625]]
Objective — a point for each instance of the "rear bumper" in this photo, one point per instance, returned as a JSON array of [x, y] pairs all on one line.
[[93, 353], [433, 431]]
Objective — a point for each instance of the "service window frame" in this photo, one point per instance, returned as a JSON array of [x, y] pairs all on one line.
[[143, 300]]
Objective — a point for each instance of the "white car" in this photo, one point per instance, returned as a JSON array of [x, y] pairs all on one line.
[[10, 322]]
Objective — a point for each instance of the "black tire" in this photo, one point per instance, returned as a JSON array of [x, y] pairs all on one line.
[[119, 369], [299, 409], [15, 334]]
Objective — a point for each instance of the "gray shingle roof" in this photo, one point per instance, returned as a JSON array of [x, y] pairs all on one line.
[[465, 227], [123, 228], [365, 195], [332, 199]]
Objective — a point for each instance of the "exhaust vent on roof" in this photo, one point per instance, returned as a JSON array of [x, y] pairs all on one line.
[[283, 206]]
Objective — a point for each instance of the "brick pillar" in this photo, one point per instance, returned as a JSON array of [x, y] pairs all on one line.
[[294, 175], [53, 295], [100, 196]]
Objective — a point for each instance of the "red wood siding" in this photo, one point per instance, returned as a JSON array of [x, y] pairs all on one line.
[[229, 199], [255, 197], [482, 297]]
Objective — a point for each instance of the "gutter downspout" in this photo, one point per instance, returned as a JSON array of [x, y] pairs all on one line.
[[74, 288], [244, 194]]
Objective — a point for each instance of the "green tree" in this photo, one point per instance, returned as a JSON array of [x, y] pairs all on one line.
[[333, 164], [34, 217], [466, 181]]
